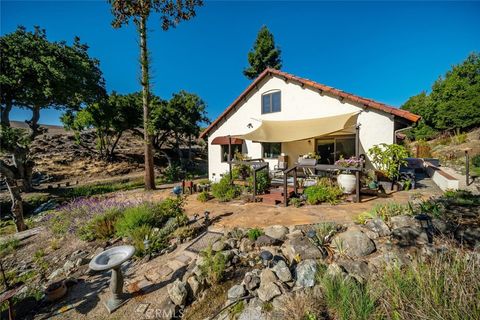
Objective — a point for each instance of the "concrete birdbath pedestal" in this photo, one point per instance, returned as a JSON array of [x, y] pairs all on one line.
[[113, 259]]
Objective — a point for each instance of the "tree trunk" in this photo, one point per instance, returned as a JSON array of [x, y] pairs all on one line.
[[112, 150], [179, 151], [17, 204], [189, 148], [5, 116], [149, 173]]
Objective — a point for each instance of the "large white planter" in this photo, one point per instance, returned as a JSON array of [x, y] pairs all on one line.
[[347, 182]]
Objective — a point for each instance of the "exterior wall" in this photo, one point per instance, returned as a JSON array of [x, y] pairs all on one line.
[[296, 103]]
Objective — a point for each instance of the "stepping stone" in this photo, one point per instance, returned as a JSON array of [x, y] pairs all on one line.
[[139, 286], [183, 259], [157, 274]]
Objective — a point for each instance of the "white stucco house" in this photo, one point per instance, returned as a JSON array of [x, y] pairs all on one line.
[[282, 114]]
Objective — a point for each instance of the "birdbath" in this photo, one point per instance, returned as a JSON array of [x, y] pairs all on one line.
[[113, 259]]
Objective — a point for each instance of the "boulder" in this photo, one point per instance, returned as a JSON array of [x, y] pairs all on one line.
[[402, 221], [168, 309], [251, 281], [295, 234], [276, 232], [218, 246], [357, 269], [194, 285], [232, 243], [177, 291], [268, 291], [305, 273], [378, 226], [334, 270], [69, 265], [253, 311], [410, 236], [246, 245], [55, 274], [236, 292], [267, 276], [388, 260], [266, 241], [300, 247], [356, 243], [469, 235], [440, 226], [282, 271]]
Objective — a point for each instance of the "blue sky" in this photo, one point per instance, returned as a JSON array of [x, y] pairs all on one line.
[[386, 51]]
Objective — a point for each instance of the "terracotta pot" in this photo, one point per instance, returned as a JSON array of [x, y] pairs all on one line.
[[55, 291], [347, 182]]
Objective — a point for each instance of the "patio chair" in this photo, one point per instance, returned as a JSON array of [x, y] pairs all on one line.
[[278, 169]]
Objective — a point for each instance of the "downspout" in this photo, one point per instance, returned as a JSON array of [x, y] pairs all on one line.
[[399, 130]]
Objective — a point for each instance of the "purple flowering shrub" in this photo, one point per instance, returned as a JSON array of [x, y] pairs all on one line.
[[69, 217], [350, 162]]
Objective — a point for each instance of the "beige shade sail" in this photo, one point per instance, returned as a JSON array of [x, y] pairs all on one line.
[[293, 130]]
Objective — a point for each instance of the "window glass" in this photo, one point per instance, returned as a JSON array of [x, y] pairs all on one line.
[[345, 148], [271, 150], [330, 150], [276, 101], [271, 102], [235, 148], [266, 103]]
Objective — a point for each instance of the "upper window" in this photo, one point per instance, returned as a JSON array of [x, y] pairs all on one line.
[[271, 150], [271, 102]]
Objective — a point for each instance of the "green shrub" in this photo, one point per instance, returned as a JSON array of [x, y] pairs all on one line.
[[254, 233], [101, 226], [323, 193], [476, 161], [172, 173], [185, 233], [325, 231], [203, 196], [136, 217], [388, 158], [461, 197], [224, 190], [138, 235], [170, 207], [8, 247], [347, 298], [213, 265], [296, 202], [384, 211], [460, 138], [237, 309], [446, 286], [241, 171], [263, 181]]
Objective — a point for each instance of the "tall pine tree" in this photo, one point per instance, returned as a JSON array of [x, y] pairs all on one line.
[[264, 54]]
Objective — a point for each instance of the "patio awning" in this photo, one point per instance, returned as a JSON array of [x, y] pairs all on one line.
[[224, 140], [293, 130]]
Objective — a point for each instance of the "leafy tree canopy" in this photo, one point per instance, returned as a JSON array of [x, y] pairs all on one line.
[[37, 73], [453, 104], [263, 55], [179, 117], [110, 118]]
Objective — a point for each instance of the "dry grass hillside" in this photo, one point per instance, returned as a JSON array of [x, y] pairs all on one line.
[[59, 157], [450, 148]]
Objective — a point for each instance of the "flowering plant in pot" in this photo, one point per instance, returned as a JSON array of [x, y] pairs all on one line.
[[346, 180]]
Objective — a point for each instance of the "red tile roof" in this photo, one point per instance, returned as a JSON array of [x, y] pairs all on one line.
[[367, 103]]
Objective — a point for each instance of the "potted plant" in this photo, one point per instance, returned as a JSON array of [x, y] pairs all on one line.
[[371, 180], [346, 179], [388, 158], [309, 159]]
